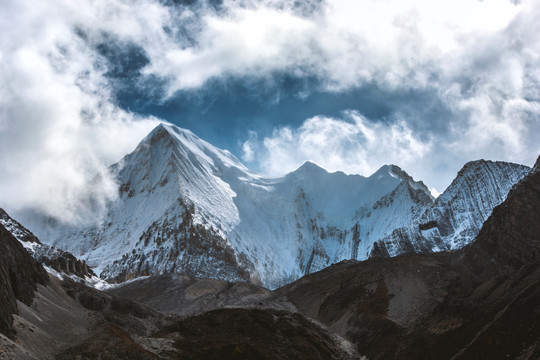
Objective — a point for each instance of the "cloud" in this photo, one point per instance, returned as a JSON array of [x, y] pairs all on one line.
[[477, 58], [352, 144], [245, 41], [62, 64], [483, 68], [495, 86], [250, 147], [344, 43], [58, 125]]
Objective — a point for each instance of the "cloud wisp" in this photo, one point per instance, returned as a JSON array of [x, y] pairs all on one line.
[[58, 126]]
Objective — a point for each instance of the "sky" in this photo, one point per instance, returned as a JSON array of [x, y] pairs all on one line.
[[350, 85]]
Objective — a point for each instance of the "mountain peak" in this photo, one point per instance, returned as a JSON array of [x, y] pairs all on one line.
[[486, 168], [396, 172], [169, 137], [478, 187], [509, 238], [310, 168], [270, 230], [474, 164], [164, 130], [161, 133], [16, 229], [536, 166], [481, 164], [392, 170]]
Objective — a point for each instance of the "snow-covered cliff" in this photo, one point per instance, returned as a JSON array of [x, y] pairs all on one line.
[[186, 206]]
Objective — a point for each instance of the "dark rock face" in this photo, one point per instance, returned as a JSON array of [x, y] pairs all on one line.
[[19, 274], [16, 229], [179, 245], [478, 302], [59, 260], [510, 238], [63, 261]]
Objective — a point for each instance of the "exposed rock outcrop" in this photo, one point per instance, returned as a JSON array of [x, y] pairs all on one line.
[[510, 237], [19, 275], [57, 259]]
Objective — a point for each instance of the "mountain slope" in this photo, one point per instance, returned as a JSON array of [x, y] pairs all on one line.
[[468, 201], [510, 237], [185, 206], [477, 302], [453, 219], [48, 318], [19, 275], [56, 259], [480, 302]]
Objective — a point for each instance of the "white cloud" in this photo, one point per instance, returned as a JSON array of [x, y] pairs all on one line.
[[245, 41], [250, 147], [352, 144], [495, 83], [348, 43], [479, 57], [58, 126]]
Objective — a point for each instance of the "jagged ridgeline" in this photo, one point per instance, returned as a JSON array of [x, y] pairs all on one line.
[[186, 206], [55, 259]]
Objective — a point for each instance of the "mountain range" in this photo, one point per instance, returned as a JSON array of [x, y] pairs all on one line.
[[187, 207], [476, 302]]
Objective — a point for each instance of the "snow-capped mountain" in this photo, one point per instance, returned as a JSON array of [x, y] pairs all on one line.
[[479, 186], [186, 206], [453, 219]]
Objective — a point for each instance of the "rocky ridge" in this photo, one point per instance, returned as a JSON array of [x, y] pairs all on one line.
[[477, 302], [19, 276], [59, 260]]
